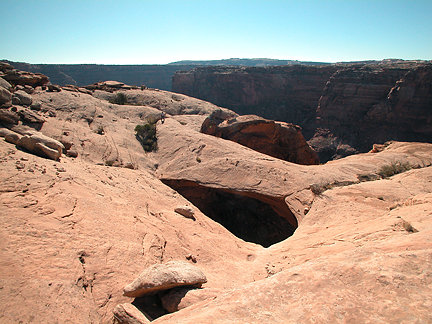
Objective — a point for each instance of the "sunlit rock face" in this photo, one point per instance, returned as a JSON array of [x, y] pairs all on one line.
[[278, 139]]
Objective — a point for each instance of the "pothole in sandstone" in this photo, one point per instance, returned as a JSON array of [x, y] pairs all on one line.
[[250, 218]]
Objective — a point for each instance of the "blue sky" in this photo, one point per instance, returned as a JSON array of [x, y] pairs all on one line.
[[159, 32]]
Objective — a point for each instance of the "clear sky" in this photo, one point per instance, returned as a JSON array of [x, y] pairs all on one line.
[[162, 31]]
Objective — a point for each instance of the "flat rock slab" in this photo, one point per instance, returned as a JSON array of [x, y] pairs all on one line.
[[185, 211], [165, 276]]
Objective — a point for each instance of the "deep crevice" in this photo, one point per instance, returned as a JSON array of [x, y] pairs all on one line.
[[249, 216]]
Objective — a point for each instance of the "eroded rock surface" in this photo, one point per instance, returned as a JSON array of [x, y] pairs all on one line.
[[278, 139], [161, 277], [360, 250], [129, 314], [360, 104]]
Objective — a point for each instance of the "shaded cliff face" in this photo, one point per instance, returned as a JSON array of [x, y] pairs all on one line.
[[354, 105], [152, 76], [285, 93], [371, 104]]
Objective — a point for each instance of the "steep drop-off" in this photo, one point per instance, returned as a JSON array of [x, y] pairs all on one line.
[[79, 234], [376, 103], [285, 93], [152, 76], [352, 105]]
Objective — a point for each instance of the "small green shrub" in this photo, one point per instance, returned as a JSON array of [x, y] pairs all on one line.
[[119, 99], [367, 177], [389, 170], [318, 189], [408, 227], [146, 135], [100, 130]]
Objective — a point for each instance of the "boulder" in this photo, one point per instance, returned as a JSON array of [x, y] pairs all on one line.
[[5, 95], [185, 211], [129, 314], [180, 298], [41, 145], [30, 116], [9, 117], [165, 276], [278, 139], [67, 144], [4, 84], [9, 135], [72, 153], [21, 97], [36, 106], [17, 77], [12, 138], [54, 88]]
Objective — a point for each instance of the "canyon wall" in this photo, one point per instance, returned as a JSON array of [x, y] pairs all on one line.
[[152, 76], [285, 93], [376, 103], [342, 108]]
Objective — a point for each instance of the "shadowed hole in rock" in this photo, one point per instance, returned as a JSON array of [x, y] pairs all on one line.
[[257, 219], [150, 306]]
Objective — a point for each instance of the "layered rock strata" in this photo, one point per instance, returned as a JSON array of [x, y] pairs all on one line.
[[278, 139], [352, 105], [285, 93], [361, 250], [370, 104]]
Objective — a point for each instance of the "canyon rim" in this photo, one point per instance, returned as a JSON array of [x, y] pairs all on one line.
[[347, 241]]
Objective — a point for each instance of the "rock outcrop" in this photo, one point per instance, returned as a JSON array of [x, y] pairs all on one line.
[[275, 239], [278, 139], [17, 77], [41, 145], [285, 93], [22, 98], [153, 76], [160, 277], [363, 105], [129, 314], [359, 104], [5, 96]]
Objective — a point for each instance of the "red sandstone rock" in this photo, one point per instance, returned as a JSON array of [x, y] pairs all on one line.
[[129, 314], [17, 77], [278, 139], [161, 277], [96, 227]]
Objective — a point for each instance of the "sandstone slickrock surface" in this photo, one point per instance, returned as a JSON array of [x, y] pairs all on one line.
[[278, 139], [180, 298], [161, 277], [77, 230], [129, 314]]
